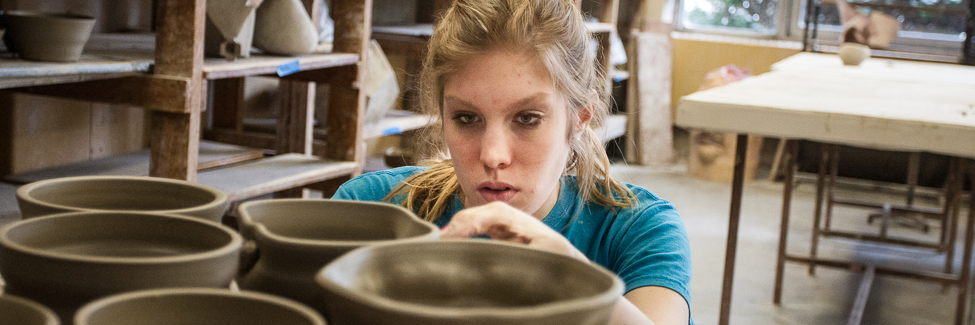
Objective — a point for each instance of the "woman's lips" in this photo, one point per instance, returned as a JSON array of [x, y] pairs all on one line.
[[496, 191]]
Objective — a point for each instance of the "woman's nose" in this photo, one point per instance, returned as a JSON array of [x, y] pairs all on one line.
[[495, 150]]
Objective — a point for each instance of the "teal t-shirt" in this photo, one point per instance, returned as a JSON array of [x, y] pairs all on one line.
[[645, 245]]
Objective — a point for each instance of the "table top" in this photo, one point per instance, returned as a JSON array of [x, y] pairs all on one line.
[[883, 104]]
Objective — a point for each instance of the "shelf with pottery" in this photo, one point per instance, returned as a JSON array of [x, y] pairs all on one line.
[[238, 171]]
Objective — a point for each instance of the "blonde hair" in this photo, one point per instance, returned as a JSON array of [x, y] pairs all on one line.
[[554, 32]]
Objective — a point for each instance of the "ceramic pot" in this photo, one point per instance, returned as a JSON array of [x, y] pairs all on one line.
[[295, 238], [284, 27], [195, 306], [121, 193], [465, 282], [20, 311], [230, 28], [853, 53], [46, 37], [65, 260]]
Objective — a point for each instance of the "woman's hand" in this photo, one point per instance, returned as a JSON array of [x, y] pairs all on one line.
[[501, 221]]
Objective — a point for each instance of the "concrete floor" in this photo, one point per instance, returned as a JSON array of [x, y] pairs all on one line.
[[825, 298]]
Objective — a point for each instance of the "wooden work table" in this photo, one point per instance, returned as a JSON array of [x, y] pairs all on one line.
[[882, 104]]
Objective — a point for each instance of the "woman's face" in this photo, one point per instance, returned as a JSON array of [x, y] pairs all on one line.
[[506, 129]]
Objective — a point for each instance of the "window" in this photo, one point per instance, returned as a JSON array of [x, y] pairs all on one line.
[[928, 26], [756, 17]]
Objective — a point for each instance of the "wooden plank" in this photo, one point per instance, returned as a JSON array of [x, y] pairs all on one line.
[[274, 174], [216, 68], [296, 119], [882, 69], [212, 155], [860, 303], [163, 93]]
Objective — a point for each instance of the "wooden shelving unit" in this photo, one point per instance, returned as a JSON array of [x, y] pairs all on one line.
[[168, 75]]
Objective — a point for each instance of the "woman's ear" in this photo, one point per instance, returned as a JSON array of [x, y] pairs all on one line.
[[586, 113]]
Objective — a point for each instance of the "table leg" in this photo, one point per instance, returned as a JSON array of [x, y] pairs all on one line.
[[790, 172], [966, 259], [820, 188], [737, 185]]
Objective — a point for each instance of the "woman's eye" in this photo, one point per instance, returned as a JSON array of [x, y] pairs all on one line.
[[529, 119], [465, 119]]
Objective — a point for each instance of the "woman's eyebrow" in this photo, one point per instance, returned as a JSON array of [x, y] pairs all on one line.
[[532, 99]]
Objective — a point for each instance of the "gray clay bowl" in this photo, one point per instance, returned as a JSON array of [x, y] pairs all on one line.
[[46, 37], [465, 282], [66, 260], [121, 193], [295, 238], [21, 311], [195, 306]]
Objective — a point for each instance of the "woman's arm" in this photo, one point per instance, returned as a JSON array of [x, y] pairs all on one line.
[[503, 222]]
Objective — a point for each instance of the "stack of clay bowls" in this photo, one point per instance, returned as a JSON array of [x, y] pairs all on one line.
[[121, 193], [465, 282], [20, 311], [289, 240], [83, 238], [66, 260], [46, 37], [196, 306]]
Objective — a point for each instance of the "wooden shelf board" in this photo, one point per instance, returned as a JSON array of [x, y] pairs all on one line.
[[212, 154], [94, 65], [273, 174], [614, 126], [257, 64], [394, 122]]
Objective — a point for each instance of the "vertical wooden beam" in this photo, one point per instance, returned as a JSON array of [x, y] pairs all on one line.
[[297, 116], [346, 101], [228, 103], [175, 137], [731, 248]]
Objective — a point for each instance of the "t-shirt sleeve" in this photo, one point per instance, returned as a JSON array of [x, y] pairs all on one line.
[[653, 249], [373, 186]]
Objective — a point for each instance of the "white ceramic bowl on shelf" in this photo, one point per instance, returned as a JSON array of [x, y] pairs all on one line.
[[42, 36]]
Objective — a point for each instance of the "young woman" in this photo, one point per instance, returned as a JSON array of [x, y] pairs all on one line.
[[517, 88]]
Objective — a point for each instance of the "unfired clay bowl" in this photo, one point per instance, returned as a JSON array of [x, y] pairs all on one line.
[[21, 311], [196, 306], [66, 260], [853, 53], [465, 282], [295, 238], [121, 193], [46, 37]]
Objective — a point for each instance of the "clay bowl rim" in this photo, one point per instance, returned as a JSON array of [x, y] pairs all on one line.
[[95, 305], [42, 14], [235, 243], [262, 229], [220, 198], [608, 296], [50, 318]]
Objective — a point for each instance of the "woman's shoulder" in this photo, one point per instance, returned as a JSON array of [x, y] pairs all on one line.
[[374, 186]]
